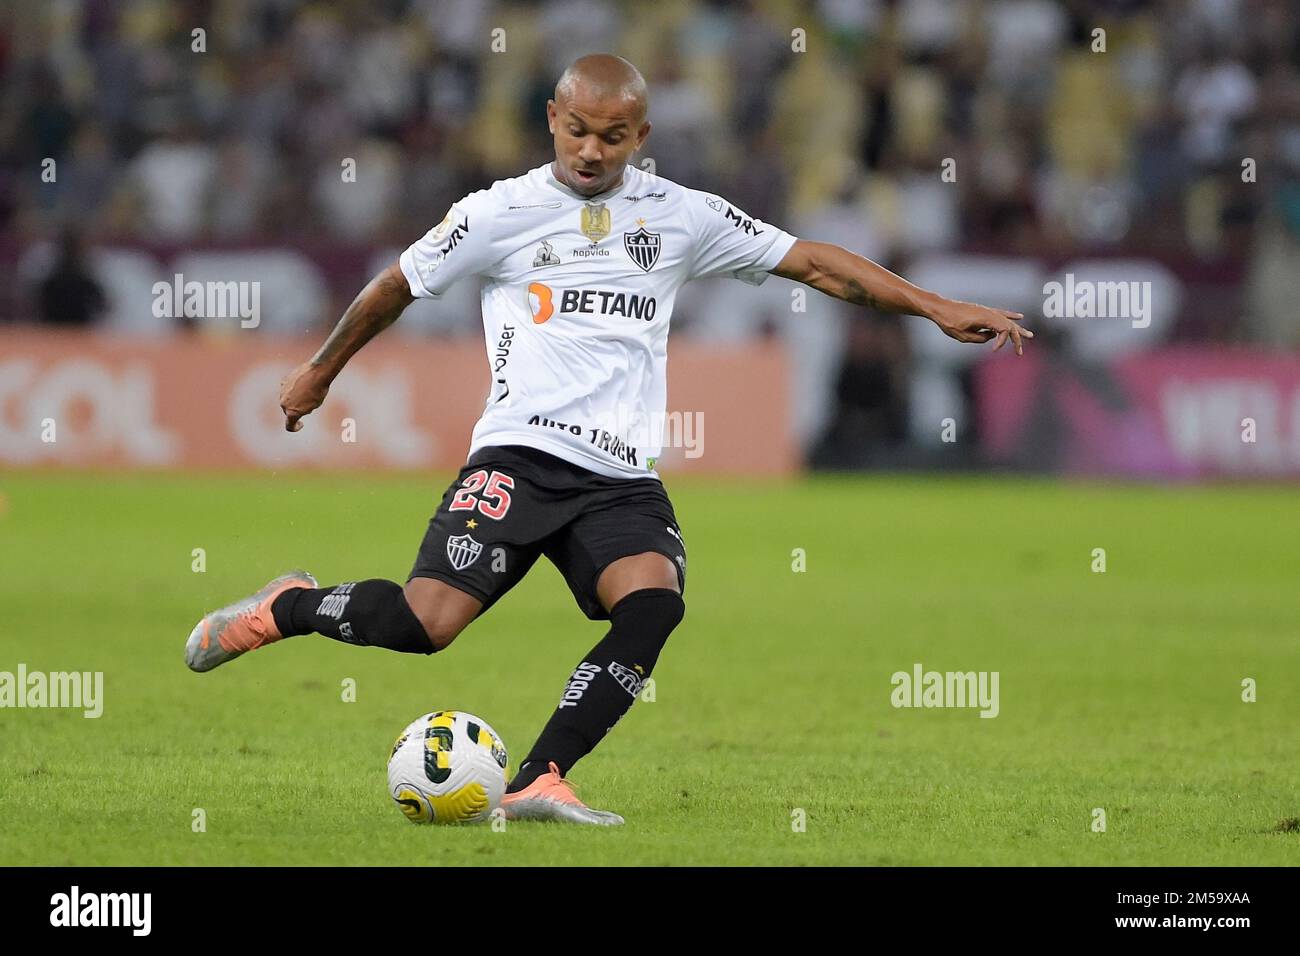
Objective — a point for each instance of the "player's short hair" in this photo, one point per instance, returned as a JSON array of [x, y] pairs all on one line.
[[605, 75]]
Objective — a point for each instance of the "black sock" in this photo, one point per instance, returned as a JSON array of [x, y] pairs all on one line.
[[371, 613], [604, 685]]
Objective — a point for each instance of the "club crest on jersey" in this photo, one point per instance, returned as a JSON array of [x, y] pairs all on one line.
[[462, 551], [643, 247], [595, 222], [546, 255]]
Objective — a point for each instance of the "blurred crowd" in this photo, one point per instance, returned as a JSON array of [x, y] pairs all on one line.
[[1051, 128], [1058, 135]]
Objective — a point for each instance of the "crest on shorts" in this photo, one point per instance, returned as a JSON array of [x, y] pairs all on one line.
[[643, 247], [462, 551]]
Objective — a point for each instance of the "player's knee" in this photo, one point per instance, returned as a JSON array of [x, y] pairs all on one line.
[[655, 611], [678, 612], [674, 611], [441, 620], [642, 622], [441, 633], [439, 628], [400, 627]]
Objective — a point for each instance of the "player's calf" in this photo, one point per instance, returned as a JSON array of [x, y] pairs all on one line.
[[606, 682], [444, 610], [370, 613]]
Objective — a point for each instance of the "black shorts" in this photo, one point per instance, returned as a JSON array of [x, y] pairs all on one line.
[[511, 504]]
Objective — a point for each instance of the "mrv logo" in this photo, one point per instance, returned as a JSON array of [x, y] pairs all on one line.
[[208, 300], [458, 232], [946, 689], [743, 223], [1085, 299], [103, 909]]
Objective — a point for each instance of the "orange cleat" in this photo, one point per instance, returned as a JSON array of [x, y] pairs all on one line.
[[551, 797], [243, 626]]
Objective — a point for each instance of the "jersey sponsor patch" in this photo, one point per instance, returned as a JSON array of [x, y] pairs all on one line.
[[543, 299], [744, 223], [462, 551], [458, 231]]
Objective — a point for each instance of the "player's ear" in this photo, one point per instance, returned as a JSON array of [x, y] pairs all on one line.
[[550, 115], [642, 134]]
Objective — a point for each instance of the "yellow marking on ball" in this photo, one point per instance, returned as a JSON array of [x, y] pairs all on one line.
[[460, 805], [413, 805]]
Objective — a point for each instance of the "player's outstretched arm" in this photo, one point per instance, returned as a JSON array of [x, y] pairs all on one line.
[[377, 307], [848, 276]]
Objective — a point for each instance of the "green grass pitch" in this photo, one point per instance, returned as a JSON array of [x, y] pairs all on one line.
[[1119, 690]]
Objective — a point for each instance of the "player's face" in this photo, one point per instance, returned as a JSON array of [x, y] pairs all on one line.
[[594, 140]]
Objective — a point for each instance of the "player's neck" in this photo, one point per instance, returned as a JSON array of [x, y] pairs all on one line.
[[553, 174]]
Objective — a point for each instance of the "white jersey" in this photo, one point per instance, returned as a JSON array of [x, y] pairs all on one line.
[[578, 295]]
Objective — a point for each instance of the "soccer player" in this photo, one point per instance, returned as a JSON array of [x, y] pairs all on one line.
[[582, 259]]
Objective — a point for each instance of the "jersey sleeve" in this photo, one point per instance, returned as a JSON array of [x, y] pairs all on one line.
[[730, 243], [459, 246]]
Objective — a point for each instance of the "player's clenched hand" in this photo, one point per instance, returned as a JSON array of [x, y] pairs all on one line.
[[968, 322], [301, 392]]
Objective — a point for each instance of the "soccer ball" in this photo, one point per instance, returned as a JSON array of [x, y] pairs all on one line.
[[447, 767]]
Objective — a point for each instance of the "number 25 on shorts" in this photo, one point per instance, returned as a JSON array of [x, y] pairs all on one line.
[[489, 494]]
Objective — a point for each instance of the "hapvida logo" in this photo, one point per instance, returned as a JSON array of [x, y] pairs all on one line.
[[922, 688]]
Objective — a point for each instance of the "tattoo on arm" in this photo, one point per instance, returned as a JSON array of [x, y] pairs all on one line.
[[855, 292], [376, 308], [856, 279]]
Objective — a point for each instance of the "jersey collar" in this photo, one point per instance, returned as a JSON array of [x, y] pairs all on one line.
[[599, 197]]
